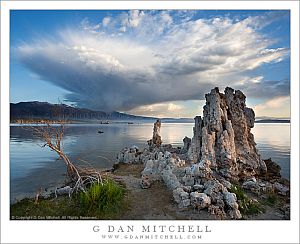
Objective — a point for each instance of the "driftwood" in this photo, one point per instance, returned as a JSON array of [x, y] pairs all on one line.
[[77, 178]]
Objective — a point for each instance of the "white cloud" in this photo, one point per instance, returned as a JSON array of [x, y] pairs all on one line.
[[149, 57], [275, 107], [256, 79], [170, 109], [105, 21], [160, 110]]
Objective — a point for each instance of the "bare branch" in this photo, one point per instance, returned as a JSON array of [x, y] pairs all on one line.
[[52, 135]]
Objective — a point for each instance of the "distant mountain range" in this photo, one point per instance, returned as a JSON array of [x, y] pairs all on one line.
[[42, 110], [272, 121]]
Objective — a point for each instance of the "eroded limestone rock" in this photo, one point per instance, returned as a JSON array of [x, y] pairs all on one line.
[[226, 139], [221, 152], [181, 197], [156, 138], [186, 144], [200, 200]]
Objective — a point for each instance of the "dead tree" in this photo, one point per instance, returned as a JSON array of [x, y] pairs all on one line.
[[52, 135]]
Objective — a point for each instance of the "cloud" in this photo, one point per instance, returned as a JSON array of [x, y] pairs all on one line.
[[265, 89], [257, 79], [186, 109], [276, 107], [141, 58], [160, 110]]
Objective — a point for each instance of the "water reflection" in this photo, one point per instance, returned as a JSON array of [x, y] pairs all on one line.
[[273, 141]]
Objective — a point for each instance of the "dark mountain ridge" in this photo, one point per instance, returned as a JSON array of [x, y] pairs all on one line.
[[44, 110]]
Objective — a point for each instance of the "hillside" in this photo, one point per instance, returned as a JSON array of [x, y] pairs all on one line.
[[44, 110]]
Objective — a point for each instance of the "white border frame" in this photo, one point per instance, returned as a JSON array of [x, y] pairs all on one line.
[[82, 231]]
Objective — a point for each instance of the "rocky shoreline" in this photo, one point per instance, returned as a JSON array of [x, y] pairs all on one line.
[[221, 156]]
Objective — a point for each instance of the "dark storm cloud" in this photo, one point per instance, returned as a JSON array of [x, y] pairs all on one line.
[[148, 58]]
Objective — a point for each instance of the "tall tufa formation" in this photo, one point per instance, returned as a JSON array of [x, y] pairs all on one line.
[[221, 151], [156, 138], [194, 150], [222, 140]]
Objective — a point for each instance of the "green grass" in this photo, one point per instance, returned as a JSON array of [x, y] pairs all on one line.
[[106, 198], [105, 201], [246, 205], [62, 206]]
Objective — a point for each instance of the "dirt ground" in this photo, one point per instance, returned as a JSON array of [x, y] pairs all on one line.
[[156, 203]]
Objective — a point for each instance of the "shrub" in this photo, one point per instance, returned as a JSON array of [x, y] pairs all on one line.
[[103, 198], [247, 206]]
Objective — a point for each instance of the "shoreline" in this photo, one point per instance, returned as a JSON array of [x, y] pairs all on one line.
[[155, 203]]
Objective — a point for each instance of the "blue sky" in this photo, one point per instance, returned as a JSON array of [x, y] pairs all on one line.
[[158, 63]]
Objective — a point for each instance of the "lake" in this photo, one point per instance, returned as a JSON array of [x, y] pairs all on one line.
[[33, 166]]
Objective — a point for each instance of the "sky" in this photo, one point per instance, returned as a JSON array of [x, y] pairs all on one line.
[[156, 63]]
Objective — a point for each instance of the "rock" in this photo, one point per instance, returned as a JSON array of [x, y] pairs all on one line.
[[273, 169], [67, 190], [235, 214], [231, 200], [145, 182], [202, 169], [120, 157], [156, 138], [250, 185], [208, 147], [222, 151], [167, 154], [200, 200], [188, 180], [186, 144], [177, 194], [129, 155], [282, 190], [187, 188], [150, 169], [198, 188], [134, 148], [194, 151], [181, 197], [286, 209], [170, 179], [225, 183], [188, 171], [217, 211], [213, 186], [226, 139], [185, 203]]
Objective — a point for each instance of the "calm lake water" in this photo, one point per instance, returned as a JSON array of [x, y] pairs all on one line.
[[33, 166]]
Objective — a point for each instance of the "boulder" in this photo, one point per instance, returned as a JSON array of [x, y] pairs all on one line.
[[181, 197], [281, 189], [145, 182], [198, 188], [213, 186], [170, 179], [230, 200], [200, 200]]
